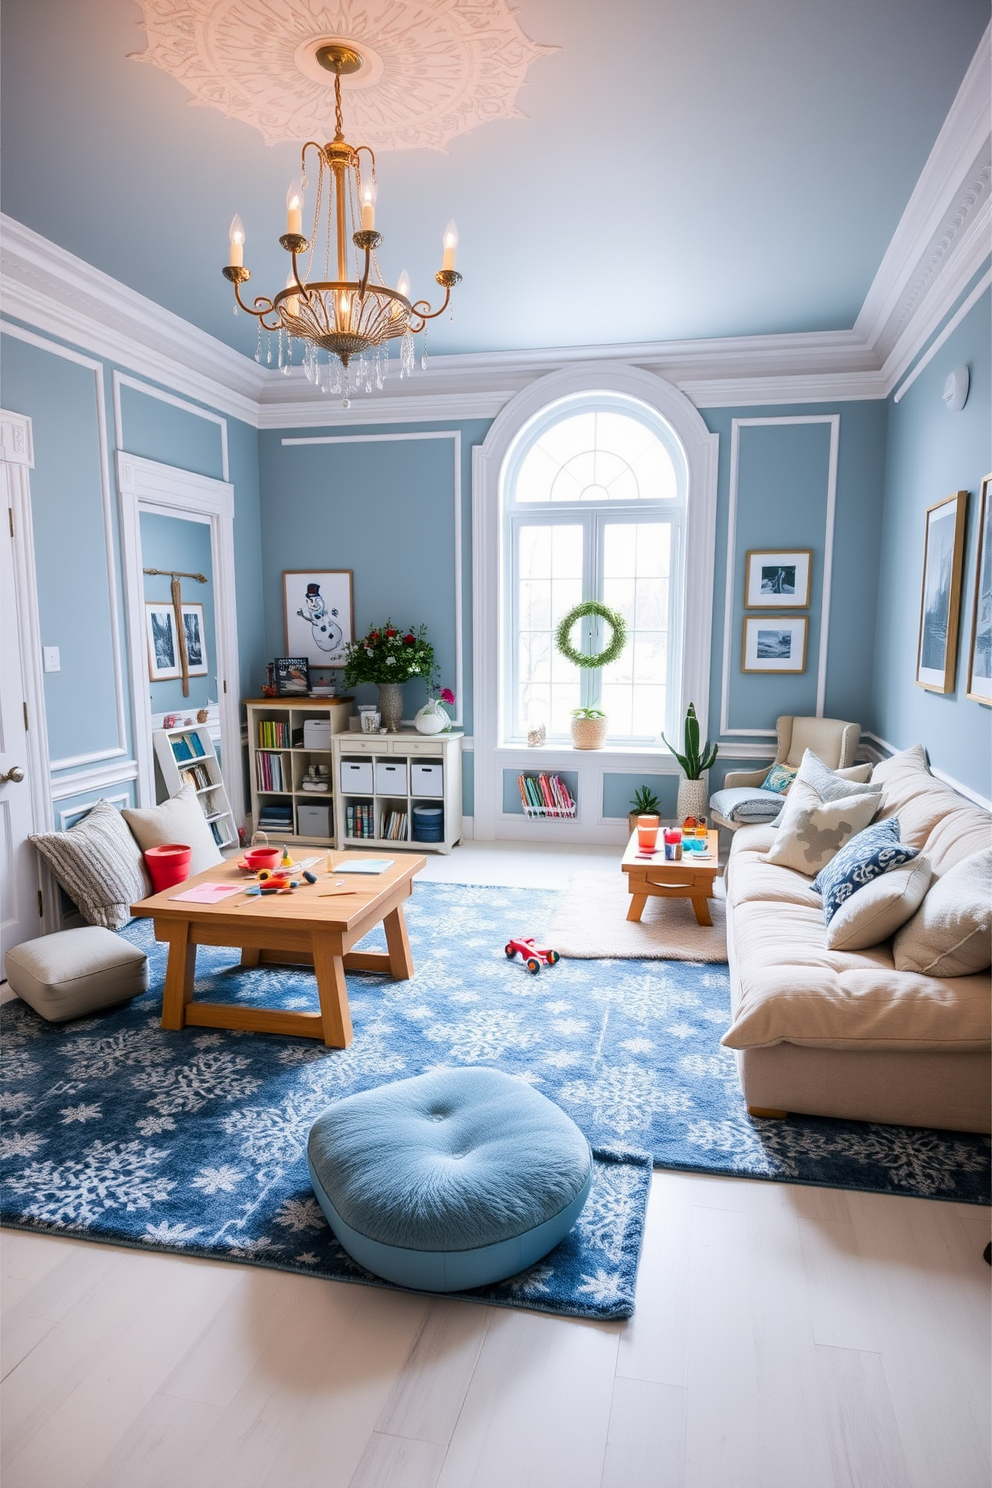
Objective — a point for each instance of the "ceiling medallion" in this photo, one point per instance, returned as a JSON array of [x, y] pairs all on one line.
[[344, 323], [431, 69]]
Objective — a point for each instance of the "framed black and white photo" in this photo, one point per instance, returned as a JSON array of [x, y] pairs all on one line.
[[940, 597], [196, 643], [320, 614], [163, 651], [778, 580], [980, 651], [775, 643]]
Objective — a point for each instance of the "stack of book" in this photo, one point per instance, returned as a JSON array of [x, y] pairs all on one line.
[[270, 772], [392, 826], [188, 747], [545, 795], [360, 821], [273, 735], [276, 816]]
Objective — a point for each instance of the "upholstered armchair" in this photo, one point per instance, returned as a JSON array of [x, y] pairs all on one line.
[[832, 739]]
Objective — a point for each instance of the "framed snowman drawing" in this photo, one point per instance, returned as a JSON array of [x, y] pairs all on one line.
[[320, 617]]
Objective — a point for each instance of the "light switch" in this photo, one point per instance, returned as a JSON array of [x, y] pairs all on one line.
[[53, 662]]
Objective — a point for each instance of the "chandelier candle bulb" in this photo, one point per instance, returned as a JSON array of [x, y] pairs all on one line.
[[293, 303], [368, 205], [450, 244], [403, 288], [294, 209], [237, 243]]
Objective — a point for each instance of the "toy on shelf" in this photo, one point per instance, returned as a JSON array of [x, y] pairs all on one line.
[[535, 956]]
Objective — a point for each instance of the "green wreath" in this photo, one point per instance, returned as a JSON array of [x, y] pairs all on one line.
[[612, 618]]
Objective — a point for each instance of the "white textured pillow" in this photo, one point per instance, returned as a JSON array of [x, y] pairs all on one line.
[[820, 813], [177, 820], [879, 908], [949, 935], [99, 865]]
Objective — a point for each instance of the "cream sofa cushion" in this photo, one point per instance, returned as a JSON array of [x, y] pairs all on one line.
[[949, 936], [878, 909], [790, 986], [177, 820], [820, 814], [945, 826]]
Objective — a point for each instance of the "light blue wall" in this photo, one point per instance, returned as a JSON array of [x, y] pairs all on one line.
[[157, 430], [385, 510], [173, 543], [931, 453]]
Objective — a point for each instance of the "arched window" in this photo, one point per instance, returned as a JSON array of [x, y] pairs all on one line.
[[593, 501]]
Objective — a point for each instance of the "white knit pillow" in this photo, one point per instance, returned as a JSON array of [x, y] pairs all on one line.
[[180, 819], [99, 865]]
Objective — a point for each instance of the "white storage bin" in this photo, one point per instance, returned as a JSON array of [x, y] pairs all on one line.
[[316, 733], [390, 777], [426, 780], [356, 777]]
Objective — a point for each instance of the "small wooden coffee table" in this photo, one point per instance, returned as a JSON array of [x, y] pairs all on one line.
[[303, 927], [690, 878]]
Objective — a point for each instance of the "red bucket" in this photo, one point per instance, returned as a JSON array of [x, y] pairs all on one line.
[[168, 865]]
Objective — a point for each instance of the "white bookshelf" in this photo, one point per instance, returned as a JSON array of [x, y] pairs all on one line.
[[278, 769], [394, 773], [186, 756]]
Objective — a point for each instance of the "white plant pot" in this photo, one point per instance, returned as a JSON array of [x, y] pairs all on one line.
[[694, 798], [432, 719]]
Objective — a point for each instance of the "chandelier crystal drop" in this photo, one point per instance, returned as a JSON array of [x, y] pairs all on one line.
[[345, 324]]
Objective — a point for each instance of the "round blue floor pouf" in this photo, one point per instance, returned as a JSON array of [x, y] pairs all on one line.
[[450, 1180]]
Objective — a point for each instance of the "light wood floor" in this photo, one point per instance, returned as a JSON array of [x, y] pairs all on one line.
[[784, 1337]]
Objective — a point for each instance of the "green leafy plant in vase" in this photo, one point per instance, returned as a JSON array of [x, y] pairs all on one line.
[[588, 728], [644, 803], [693, 794]]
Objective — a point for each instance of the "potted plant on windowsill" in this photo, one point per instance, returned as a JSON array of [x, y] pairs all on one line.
[[588, 728], [693, 794], [644, 803]]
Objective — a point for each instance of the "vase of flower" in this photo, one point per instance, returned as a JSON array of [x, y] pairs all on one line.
[[432, 719], [391, 705]]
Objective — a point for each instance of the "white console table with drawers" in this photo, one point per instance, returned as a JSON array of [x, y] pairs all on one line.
[[383, 777]]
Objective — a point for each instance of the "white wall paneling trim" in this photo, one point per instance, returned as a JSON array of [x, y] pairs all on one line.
[[701, 449], [120, 748], [945, 334], [455, 435], [68, 812], [732, 577], [145, 484], [83, 781], [120, 379], [879, 749]]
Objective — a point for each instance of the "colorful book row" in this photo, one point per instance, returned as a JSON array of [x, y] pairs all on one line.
[[271, 776], [392, 826], [187, 747], [273, 735], [360, 821], [545, 795]]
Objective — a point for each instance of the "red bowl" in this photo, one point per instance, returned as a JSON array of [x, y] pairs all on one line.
[[263, 857], [168, 865]]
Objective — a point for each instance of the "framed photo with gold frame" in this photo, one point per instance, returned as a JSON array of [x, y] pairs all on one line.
[[778, 580], [940, 593], [980, 649], [775, 643]]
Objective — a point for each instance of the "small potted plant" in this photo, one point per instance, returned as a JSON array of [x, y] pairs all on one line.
[[644, 803], [693, 793], [588, 728]]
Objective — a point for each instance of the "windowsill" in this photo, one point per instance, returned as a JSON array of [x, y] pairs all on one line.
[[666, 761]]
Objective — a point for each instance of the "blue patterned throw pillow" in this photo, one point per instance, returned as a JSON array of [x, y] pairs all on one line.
[[868, 855]]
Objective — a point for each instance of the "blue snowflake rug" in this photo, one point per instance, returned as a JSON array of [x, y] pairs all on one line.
[[195, 1141]]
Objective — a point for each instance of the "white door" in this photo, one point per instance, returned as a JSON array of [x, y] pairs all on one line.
[[20, 908]]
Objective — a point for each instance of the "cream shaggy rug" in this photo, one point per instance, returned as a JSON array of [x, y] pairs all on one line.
[[591, 924]]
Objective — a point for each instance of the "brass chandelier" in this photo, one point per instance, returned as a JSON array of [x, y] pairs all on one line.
[[345, 323]]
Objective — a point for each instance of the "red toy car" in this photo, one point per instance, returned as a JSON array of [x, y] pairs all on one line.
[[535, 956]]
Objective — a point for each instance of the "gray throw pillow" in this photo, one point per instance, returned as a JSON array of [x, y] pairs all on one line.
[[99, 865]]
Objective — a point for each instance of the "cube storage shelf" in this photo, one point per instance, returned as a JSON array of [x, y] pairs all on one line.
[[384, 778], [287, 737], [186, 756]]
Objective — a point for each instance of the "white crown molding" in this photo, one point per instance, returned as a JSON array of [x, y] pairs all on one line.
[[55, 291]]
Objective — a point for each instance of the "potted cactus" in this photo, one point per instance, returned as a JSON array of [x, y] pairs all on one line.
[[693, 793], [644, 803]]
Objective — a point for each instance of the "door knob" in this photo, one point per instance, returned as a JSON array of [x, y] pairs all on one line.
[[14, 775]]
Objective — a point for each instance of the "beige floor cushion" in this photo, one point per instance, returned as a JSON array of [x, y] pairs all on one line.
[[950, 935], [179, 819], [99, 865], [75, 972]]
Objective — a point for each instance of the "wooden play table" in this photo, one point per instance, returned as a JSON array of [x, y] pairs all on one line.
[[690, 878], [303, 927]]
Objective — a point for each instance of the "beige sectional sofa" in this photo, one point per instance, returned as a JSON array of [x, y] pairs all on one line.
[[843, 1033]]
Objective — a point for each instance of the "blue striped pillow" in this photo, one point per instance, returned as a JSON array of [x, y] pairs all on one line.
[[867, 855]]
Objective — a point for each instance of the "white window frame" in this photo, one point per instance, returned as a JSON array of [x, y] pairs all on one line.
[[492, 756], [592, 517]]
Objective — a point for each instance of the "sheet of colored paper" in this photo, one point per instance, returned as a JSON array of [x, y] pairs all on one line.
[[208, 893]]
